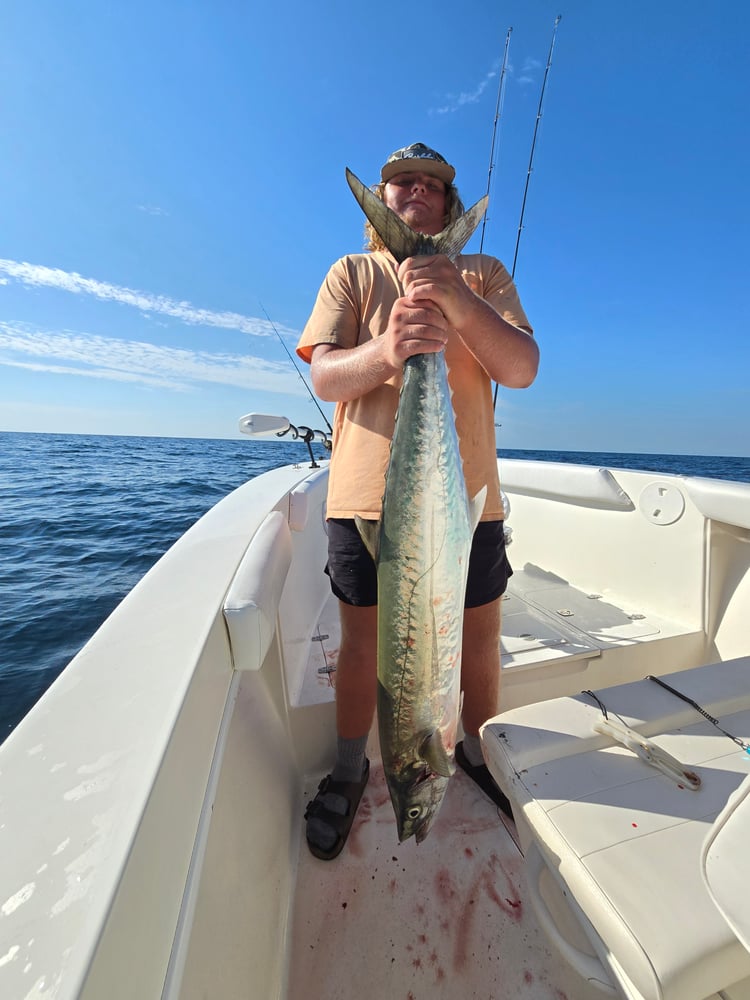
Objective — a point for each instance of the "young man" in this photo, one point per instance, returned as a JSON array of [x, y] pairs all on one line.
[[370, 316]]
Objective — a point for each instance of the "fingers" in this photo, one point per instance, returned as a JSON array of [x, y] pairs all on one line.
[[414, 328], [433, 304], [421, 270], [437, 279]]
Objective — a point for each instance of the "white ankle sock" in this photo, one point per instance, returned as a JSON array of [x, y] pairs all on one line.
[[350, 758]]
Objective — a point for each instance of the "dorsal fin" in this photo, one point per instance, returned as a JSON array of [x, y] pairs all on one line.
[[402, 241]]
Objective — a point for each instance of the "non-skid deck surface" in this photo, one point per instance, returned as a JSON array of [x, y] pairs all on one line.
[[445, 919]]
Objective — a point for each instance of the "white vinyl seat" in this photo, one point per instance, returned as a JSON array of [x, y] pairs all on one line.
[[613, 845], [726, 862]]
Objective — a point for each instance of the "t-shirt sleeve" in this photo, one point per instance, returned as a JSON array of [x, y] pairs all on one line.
[[489, 278], [335, 318]]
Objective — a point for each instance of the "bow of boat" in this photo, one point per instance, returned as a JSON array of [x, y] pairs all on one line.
[[152, 832]]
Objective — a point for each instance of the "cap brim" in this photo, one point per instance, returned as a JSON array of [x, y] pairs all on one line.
[[419, 165]]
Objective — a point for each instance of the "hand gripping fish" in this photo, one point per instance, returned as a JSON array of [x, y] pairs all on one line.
[[421, 547]]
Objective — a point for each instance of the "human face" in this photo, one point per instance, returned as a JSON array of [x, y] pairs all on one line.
[[418, 199]]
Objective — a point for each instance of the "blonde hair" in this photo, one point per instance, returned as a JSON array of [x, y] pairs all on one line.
[[454, 209]]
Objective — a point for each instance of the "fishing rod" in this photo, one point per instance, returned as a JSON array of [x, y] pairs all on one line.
[[498, 106], [304, 380], [533, 143], [531, 162]]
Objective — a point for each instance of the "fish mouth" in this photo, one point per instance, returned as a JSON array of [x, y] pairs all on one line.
[[419, 833], [424, 829]]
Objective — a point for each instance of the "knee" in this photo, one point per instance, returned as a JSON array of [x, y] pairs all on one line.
[[359, 632]]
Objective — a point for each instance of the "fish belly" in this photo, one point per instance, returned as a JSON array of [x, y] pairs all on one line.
[[425, 542]]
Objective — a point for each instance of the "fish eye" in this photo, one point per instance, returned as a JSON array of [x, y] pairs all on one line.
[[414, 813]]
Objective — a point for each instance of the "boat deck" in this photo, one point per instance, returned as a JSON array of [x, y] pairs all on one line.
[[449, 917], [445, 918], [452, 916]]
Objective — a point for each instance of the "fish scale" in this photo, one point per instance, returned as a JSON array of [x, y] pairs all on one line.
[[421, 546]]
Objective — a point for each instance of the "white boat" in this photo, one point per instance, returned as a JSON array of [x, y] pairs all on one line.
[[152, 841]]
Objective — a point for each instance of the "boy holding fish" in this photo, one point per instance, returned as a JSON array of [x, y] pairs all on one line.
[[376, 314]]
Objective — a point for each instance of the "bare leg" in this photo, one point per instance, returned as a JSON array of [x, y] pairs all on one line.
[[331, 814], [480, 669], [480, 676], [356, 671]]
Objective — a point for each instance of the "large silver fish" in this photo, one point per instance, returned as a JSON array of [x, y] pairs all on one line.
[[421, 546]]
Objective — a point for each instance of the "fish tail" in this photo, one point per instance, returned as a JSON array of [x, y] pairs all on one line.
[[403, 241]]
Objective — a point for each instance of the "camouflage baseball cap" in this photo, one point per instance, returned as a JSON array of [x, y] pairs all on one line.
[[417, 157]]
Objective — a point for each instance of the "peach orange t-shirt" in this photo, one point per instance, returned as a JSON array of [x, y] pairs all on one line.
[[352, 307]]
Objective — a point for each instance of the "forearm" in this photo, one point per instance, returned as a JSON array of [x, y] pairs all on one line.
[[342, 374], [509, 356]]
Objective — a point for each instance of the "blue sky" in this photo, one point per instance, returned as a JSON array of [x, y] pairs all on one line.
[[170, 171]]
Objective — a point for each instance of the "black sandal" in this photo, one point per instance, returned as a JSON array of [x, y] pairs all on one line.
[[480, 774], [333, 808]]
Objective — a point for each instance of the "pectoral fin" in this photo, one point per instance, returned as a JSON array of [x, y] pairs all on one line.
[[476, 508], [433, 752], [369, 532]]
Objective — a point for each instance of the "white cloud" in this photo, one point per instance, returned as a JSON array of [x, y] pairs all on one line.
[[454, 102], [94, 356], [105, 373], [529, 70], [37, 275]]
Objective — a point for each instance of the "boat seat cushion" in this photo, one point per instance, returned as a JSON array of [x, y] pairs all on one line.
[[726, 862], [251, 604], [622, 838]]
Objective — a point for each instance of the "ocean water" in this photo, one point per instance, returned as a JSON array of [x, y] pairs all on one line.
[[83, 517]]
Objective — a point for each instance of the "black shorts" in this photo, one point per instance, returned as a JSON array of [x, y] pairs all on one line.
[[354, 577]]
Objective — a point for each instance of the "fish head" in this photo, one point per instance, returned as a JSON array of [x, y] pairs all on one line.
[[416, 802]]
